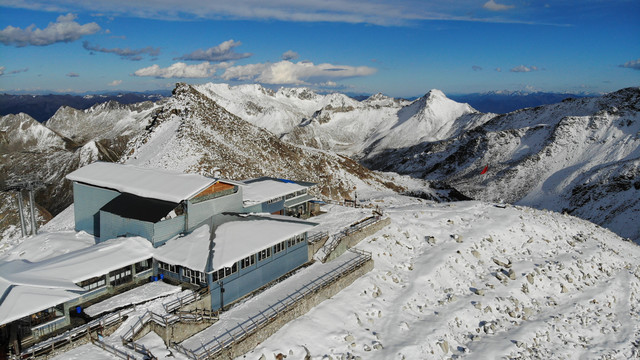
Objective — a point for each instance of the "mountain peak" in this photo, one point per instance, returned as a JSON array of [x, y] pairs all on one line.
[[435, 93]]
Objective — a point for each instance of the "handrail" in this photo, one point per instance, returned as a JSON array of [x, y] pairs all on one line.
[[75, 333], [333, 243], [256, 322], [179, 302]]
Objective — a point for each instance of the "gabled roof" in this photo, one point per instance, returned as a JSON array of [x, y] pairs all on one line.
[[27, 287], [240, 235], [149, 183], [264, 189], [235, 237]]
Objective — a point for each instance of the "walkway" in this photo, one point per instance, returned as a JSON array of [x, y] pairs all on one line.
[[245, 318]]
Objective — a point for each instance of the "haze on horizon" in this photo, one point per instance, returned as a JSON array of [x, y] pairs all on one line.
[[401, 48]]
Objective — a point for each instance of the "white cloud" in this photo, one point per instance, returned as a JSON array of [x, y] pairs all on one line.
[[65, 29], [379, 12], [633, 64], [115, 83], [522, 68], [182, 70], [290, 55], [494, 6], [499, 69], [287, 72], [73, 75], [223, 52], [2, 68]]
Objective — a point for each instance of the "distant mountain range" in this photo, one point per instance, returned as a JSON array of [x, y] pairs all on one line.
[[501, 102], [42, 107]]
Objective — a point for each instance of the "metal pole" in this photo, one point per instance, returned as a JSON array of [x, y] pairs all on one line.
[[34, 225], [23, 225]]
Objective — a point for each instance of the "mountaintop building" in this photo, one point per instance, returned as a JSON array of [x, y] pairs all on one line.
[[230, 237]]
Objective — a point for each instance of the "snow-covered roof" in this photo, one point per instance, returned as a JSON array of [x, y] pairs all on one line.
[[22, 301], [235, 240], [191, 250], [150, 183], [27, 287], [262, 190], [237, 237]]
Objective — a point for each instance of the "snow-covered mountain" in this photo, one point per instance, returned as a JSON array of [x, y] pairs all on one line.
[[193, 133], [380, 123], [277, 111], [581, 156]]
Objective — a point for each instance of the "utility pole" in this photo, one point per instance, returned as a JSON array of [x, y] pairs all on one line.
[[30, 184], [34, 225], [23, 225]]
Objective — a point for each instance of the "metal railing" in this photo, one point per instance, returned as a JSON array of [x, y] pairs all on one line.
[[263, 318], [317, 236], [117, 352], [73, 334], [335, 240], [179, 302]]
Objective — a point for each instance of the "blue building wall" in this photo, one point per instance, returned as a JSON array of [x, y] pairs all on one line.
[[255, 276], [113, 226], [166, 229], [201, 211], [87, 203]]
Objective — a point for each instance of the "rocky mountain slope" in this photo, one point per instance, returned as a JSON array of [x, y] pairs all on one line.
[[581, 156], [193, 133]]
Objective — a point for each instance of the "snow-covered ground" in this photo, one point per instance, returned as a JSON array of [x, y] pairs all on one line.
[[466, 279], [492, 282]]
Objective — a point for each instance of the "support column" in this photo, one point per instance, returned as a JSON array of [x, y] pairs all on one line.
[[23, 225], [34, 225]]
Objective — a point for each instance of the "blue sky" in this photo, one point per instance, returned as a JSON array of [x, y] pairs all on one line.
[[398, 47]]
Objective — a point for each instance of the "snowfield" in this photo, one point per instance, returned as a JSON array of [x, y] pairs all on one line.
[[474, 280]]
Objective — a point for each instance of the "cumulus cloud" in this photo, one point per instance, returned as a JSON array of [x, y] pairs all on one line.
[[494, 6], [73, 75], [522, 68], [65, 29], [223, 52], [126, 53], [290, 55], [632, 64], [287, 72], [498, 69], [115, 83], [182, 70], [476, 68]]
